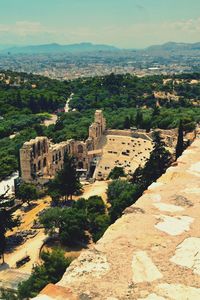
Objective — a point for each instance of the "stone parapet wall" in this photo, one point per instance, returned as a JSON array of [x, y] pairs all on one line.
[[152, 251]]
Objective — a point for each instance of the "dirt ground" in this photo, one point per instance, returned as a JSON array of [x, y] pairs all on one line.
[[51, 121], [97, 188], [33, 245]]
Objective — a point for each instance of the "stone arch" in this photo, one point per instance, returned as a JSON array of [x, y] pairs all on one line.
[[39, 148], [44, 146], [34, 151], [80, 165], [80, 149], [44, 162], [34, 168], [59, 155]]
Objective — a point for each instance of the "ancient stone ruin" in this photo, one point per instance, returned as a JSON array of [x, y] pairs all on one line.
[[40, 159], [102, 151]]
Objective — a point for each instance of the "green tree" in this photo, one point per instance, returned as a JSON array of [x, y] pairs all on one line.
[[74, 225], [158, 162], [116, 172], [51, 271], [98, 226], [9, 296], [95, 205], [127, 123], [138, 119], [121, 194], [69, 223], [66, 183], [27, 192], [52, 220], [7, 222]]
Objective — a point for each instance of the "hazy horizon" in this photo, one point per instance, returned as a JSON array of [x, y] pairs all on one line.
[[6, 46], [124, 24]]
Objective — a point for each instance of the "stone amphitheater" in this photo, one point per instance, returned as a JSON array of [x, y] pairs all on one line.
[[122, 151]]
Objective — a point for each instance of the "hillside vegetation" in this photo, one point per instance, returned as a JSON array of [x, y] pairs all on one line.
[[128, 101]]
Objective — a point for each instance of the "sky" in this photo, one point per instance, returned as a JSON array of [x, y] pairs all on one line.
[[123, 23]]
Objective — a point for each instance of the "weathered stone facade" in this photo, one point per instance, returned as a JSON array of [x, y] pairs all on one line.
[[40, 159]]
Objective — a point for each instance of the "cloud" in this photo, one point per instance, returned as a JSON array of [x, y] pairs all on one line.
[[191, 25], [23, 28]]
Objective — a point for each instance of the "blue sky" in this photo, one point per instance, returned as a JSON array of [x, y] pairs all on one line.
[[124, 23]]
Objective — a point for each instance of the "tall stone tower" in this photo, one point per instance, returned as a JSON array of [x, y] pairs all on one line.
[[34, 158], [97, 129]]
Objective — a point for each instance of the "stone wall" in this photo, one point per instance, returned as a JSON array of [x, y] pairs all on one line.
[[152, 251]]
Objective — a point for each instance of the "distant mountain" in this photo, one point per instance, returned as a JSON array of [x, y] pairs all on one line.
[[57, 48], [172, 46], [167, 49]]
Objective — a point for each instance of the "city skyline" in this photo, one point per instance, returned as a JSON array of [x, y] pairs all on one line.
[[125, 24]]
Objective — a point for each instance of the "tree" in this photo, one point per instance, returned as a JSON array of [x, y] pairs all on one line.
[[156, 111], [52, 220], [8, 295], [7, 222], [54, 191], [51, 271], [99, 225], [117, 172], [180, 143], [121, 194], [69, 223], [27, 192], [66, 183], [138, 119], [127, 123], [95, 205], [158, 162], [74, 225]]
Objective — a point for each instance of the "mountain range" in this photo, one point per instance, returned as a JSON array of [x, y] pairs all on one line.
[[170, 47], [57, 48]]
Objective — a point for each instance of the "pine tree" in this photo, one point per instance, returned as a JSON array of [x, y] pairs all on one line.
[[6, 222], [139, 119], [157, 164], [127, 124], [180, 143], [66, 182]]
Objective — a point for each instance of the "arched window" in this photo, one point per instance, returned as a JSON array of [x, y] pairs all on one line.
[[34, 168], [44, 162], [38, 146], [44, 146], [59, 155], [80, 149], [80, 165], [34, 150], [39, 165]]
